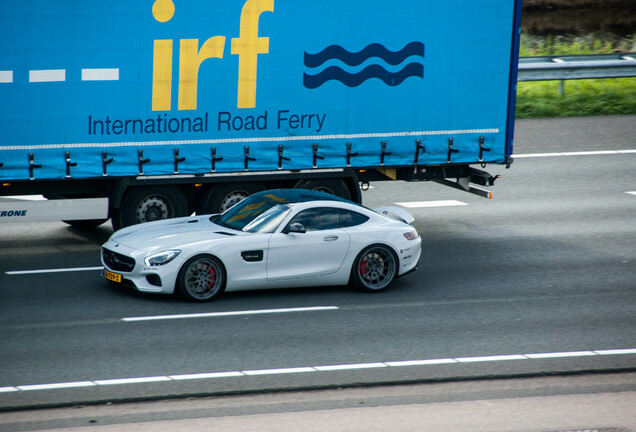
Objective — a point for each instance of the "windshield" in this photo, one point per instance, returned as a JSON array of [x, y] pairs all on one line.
[[248, 210], [268, 221]]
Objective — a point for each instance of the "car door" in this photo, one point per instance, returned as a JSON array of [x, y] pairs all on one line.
[[319, 251]]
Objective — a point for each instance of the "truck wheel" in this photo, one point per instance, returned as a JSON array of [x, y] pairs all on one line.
[[85, 223], [224, 196], [147, 204], [333, 186]]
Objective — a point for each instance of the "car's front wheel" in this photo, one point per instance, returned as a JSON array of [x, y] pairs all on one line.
[[201, 278], [375, 268]]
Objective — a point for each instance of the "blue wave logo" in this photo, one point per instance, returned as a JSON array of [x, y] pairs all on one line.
[[373, 51]]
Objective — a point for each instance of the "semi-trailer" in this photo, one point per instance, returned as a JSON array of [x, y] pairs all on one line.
[[138, 111]]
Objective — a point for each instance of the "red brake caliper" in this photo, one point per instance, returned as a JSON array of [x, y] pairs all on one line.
[[363, 267], [212, 278]]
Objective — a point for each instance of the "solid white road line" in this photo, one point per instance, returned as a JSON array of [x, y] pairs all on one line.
[[490, 358], [429, 204], [232, 313], [61, 270], [350, 367], [279, 371], [309, 369], [631, 193], [132, 380], [8, 389], [561, 354], [56, 386], [206, 376]]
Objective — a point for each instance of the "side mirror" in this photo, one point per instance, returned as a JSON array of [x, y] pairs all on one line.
[[296, 228]]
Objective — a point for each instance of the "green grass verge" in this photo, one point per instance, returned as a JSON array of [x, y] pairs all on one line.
[[580, 97]]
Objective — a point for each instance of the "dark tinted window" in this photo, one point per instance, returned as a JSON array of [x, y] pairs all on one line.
[[328, 218], [350, 218], [318, 219]]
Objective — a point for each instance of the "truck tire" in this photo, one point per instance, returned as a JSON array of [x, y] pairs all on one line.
[[224, 196], [333, 186], [147, 204]]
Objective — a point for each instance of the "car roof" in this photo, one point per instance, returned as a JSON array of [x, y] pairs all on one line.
[[293, 196]]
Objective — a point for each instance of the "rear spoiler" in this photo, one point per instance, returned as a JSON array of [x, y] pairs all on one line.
[[396, 213]]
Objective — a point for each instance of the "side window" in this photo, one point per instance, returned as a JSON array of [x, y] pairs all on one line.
[[350, 218], [317, 219]]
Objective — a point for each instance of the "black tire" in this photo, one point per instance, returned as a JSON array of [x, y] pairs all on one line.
[[147, 204], [86, 223], [335, 187], [201, 278], [375, 268], [224, 196]]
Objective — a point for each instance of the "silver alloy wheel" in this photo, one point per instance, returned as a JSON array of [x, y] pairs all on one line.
[[324, 189], [233, 198], [152, 208], [203, 278], [376, 268]]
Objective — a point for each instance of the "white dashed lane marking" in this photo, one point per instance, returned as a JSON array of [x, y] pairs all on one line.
[[430, 204], [231, 313], [60, 270]]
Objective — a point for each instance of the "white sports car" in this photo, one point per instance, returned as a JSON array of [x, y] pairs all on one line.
[[272, 239]]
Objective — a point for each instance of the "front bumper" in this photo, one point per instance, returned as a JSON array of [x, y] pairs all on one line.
[[129, 264]]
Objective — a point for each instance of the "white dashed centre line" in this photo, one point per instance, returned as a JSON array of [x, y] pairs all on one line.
[[61, 270], [429, 204], [231, 313]]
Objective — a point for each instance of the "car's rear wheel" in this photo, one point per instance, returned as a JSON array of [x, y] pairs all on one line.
[[201, 278], [375, 268]]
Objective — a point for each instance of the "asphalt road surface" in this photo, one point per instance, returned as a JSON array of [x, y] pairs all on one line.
[[539, 280]]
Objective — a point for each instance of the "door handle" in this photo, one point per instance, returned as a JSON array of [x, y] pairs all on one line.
[[330, 238]]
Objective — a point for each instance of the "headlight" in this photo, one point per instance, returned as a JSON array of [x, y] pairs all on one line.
[[411, 235], [161, 258]]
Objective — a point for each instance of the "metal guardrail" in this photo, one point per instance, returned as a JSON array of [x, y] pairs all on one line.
[[577, 67]]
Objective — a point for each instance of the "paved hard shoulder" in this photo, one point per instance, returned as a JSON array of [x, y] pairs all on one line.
[[601, 403]]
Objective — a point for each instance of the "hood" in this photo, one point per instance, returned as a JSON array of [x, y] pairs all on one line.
[[171, 233]]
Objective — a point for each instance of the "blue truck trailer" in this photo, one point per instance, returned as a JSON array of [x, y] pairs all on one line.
[[160, 109]]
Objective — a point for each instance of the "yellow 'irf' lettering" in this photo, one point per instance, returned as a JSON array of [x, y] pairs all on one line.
[[190, 58], [248, 46], [163, 10], [162, 76]]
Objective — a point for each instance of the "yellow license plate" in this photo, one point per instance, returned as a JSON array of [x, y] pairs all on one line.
[[112, 276]]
